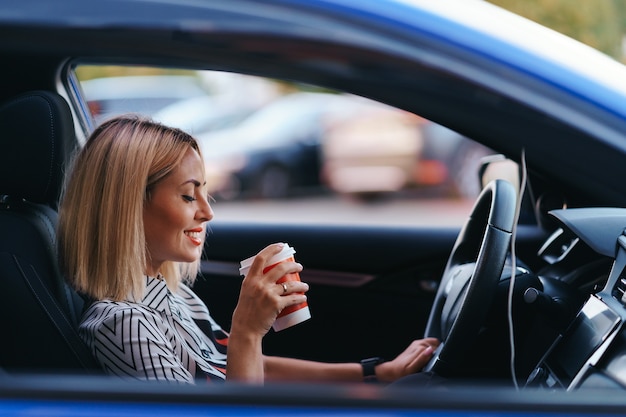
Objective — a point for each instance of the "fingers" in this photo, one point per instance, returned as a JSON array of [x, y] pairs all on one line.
[[261, 259], [421, 344], [414, 357], [425, 350], [432, 341], [290, 287], [282, 269], [261, 263]]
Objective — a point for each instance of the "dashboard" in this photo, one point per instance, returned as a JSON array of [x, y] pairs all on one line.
[[591, 351]]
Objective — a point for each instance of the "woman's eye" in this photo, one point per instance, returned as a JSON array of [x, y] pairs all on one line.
[[188, 198]]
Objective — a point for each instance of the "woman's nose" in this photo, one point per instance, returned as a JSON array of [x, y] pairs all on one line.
[[205, 212]]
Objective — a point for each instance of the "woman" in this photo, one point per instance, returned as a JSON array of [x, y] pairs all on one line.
[[131, 232]]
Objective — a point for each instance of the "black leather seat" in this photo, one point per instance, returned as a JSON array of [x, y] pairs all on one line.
[[38, 310]]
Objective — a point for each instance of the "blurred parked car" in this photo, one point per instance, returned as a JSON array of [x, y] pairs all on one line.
[[450, 161], [381, 150], [275, 152], [372, 151], [202, 114], [233, 98]]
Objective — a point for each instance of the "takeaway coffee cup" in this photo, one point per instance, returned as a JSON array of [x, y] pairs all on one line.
[[290, 315]]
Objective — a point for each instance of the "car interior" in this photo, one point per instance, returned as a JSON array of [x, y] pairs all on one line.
[[375, 307]]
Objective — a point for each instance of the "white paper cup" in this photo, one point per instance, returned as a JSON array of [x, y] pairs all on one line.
[[291, 315]]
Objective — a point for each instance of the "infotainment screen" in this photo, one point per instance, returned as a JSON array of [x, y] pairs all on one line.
[[590, 328]]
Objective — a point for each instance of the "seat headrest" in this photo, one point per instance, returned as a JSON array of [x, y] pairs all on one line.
[[36, 139]]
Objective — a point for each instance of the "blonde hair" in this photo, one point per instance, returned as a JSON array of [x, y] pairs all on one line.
[[101, 238]]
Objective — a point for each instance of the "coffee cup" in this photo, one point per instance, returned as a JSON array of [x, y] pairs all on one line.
[[291, 315]]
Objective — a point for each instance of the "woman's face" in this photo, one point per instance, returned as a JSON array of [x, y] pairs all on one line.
[[176, 214]]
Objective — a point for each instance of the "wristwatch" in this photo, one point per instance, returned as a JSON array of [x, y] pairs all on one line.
[[369, 369]]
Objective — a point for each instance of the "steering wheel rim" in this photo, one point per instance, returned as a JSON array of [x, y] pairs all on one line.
[[471, 276]]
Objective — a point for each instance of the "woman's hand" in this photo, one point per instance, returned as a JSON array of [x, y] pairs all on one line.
[[412, 360], [261, 299]]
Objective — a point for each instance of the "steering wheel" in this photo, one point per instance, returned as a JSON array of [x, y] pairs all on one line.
[[471, 276]]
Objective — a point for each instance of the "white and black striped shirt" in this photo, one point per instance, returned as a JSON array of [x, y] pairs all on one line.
[[167, 336]]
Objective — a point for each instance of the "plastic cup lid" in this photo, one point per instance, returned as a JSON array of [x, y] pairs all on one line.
[[280, 256]]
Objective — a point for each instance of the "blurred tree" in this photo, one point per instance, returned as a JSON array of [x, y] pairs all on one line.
[[597, 23], [87, 72]]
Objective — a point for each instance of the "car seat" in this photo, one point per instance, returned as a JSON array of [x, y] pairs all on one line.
[[38, 311]]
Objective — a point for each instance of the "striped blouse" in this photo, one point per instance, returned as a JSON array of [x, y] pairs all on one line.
[[167, 336]]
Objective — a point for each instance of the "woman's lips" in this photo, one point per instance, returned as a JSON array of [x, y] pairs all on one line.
[[195, 235]]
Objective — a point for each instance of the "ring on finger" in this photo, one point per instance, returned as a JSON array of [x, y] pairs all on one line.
[[284, 288]]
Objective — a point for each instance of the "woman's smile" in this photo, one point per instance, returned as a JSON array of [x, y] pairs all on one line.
[[195, 235]]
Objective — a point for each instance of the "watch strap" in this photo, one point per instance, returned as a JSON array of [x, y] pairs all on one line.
[[369, 368]]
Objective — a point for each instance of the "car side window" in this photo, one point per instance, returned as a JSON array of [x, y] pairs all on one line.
[[324, 155]]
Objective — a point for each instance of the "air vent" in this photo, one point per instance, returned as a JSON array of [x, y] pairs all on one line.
[[558, 245], [620, 287]]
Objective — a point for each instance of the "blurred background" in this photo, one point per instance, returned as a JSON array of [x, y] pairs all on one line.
[[281, 151], [600, 24]]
